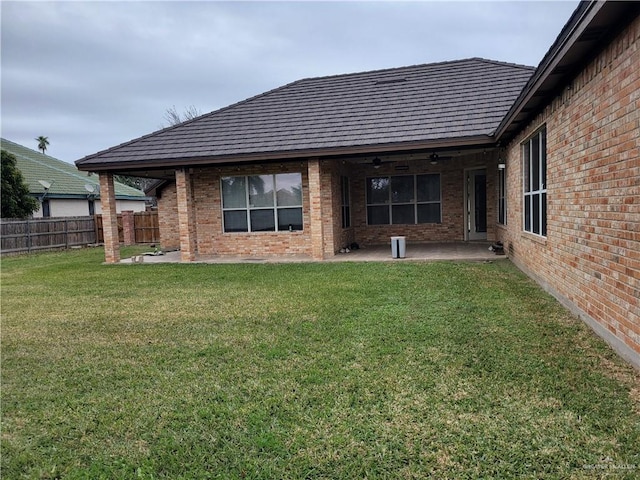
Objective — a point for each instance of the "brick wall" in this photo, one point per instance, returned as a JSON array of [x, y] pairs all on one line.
[[168, 217], [343, 237], [452, 181], [590, 258], [331, 235], [186, 214], [109, 219], [210, 238]]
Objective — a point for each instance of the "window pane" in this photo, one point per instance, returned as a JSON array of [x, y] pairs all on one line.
[[535, 163], [234, 193], [526, 166], [261, 191], [346, 216], [501, 198], [428, 188], [290, 219], [402, 189], [535, 200], [344, 181], [378, 190], [235, 221], [378, 215], [429, 213], [262, 220], [289, 189], [527, 213], [543, 156], [544, 215], [402, 214]]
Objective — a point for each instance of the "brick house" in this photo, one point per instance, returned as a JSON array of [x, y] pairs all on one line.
[[545, 160]]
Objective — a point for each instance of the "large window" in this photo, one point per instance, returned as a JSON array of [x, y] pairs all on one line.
[[534, 168], [502, 195], [403, 199], [262, 203], [346, 202]]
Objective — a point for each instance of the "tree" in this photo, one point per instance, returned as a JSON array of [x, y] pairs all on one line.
[[172, 117], [16, 201], [141, 183], [43, 143]]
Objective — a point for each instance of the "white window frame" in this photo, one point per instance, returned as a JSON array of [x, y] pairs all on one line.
[[534, 194]]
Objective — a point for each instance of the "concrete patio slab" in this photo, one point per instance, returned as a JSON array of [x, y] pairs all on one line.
[[451, 251]]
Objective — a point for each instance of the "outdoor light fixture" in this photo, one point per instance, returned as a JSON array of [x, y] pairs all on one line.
[[502, 166], [434, 159]]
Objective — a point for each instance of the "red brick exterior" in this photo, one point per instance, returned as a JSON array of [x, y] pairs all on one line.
[[186, 217], [168, 217], [317, 208], [452, 180], [322, 235], [590, 258], [128, 227], [109, 219]]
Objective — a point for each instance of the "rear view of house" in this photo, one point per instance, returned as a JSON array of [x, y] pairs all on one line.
[[546, 160]]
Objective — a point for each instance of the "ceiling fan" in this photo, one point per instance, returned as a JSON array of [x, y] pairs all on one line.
[[377, 162], [434, 158]]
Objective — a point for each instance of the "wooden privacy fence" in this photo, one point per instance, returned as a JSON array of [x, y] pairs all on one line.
[[46, 233], [34, 234], [145, 228]]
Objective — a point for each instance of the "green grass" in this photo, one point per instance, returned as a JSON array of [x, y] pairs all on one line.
[[337, 370]]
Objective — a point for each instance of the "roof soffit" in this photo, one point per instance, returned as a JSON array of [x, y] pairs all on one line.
[[582, 38]]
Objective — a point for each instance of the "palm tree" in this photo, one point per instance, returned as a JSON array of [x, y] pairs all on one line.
[[43, 143]]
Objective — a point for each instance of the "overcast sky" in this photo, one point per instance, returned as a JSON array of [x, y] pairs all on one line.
[[91, 75]]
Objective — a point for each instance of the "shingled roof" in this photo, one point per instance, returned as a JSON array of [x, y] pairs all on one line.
[[458, 102], [65, 179]]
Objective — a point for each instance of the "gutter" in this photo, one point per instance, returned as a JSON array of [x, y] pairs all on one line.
[[159, 163]]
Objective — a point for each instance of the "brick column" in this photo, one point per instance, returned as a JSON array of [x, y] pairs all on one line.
[[128, 227], [109, 219], [186, 220], [328, 212], [315, 209]]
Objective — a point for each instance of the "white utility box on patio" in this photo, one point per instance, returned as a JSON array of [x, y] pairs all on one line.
[[398, 247]]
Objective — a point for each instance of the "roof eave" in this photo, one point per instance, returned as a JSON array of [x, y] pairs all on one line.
[[576, 44], [400, 147]]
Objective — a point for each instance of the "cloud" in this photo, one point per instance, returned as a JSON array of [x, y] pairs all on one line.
[[90, 75]]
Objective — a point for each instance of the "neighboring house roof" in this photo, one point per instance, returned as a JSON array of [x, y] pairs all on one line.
[[449, 103], [65, 179]]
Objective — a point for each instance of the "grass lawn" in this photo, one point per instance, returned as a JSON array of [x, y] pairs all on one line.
[[337, 370]]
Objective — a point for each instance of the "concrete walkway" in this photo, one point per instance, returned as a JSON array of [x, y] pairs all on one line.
[[456, 251]]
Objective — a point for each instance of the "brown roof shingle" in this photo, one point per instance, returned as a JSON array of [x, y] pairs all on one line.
[[422, 103]]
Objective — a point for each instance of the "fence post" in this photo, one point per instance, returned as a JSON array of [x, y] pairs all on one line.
[[66, 233], [28, 236], [96, 227]]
